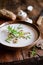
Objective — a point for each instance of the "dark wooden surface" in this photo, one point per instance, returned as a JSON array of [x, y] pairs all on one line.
[[24, 53], [14, 5]]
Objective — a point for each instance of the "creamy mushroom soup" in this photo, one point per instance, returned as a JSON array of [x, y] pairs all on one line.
[[17, 35]]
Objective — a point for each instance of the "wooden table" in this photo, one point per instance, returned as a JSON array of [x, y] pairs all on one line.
[[20, 54], [23, 54]]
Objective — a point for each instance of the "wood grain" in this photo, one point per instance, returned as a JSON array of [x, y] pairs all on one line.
[[13, 5]]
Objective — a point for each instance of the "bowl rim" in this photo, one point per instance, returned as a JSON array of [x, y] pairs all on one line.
[[29, 24]]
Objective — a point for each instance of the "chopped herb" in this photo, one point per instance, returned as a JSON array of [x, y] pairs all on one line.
[[33, 52], [8, 40], [28, 37], [13, 33], [21, 34], [19, 27]]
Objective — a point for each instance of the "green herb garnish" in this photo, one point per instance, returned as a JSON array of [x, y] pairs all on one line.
[[19, 27], [28, 37], [33, 52], [13, 33]]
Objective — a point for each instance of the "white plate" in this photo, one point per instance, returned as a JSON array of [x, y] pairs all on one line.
[[21, 42]]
